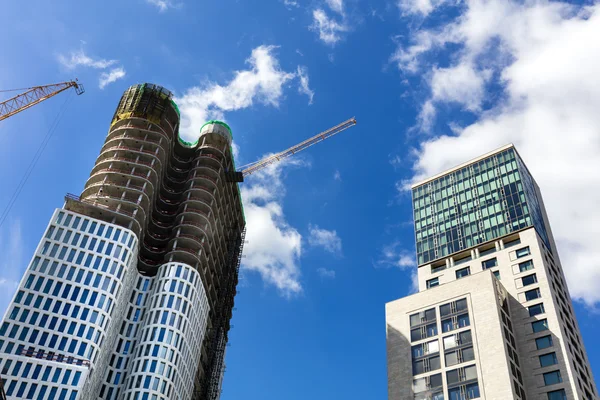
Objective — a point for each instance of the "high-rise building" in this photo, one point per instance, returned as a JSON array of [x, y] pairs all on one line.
[[130, 291], [493, 317]]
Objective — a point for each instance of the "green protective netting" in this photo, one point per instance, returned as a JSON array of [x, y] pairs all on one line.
[[217, 122], [176, 108]]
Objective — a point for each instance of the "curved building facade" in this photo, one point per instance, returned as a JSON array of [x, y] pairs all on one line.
[[172, 298]]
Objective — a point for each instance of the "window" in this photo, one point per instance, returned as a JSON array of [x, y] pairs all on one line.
[[525, 266], [523, 252], [541, 325], [461, 273], [459, 339], [536, 309], [529, 280], [423, 332], [497, 274], [532, 294], [492, 262], [453, 308], [456, 322], [426, 364], [552, 378], [459, 356], [557, 395], [433, 283], [543, 342], [422, 317], [548, 359], [438, 268], [424, 349]]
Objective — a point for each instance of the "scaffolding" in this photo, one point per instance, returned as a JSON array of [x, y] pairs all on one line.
[[210, 385]]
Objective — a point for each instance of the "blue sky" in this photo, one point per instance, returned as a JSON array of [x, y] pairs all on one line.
[[432, 83]]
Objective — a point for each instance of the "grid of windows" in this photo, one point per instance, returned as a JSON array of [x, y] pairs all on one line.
[[59, 316], [474, 204], [165, 358]]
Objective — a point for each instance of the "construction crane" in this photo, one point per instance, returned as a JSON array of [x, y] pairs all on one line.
[[35, 95], [251, 168]]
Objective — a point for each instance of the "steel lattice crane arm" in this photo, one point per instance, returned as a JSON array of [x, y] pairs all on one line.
[[257, 166], [35, 95]]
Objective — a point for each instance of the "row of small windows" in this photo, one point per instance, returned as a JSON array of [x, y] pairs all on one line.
[[490, 263], [89, 226], [24, 393], [453, 315], [68, 378], [59, 290], [462, 385], [95, 317], [98, 263], [56, 250]]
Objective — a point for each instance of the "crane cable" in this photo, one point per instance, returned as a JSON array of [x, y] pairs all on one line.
[[34, 161], [14, 90]]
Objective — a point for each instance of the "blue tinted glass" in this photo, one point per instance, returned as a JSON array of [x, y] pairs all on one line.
[[552, 378], [548, 359], [543, 342]]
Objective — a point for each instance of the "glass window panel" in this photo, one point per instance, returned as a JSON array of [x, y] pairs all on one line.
[[493, 262], [452, 377], [543, 342], [557, 395], [526, 266], [536, 309], [529, 279], [468, 354], [548, 359], [522, 252], [541, 325], [450, 342], [451, 358], [532, 294], [470, 372], [552, 378]]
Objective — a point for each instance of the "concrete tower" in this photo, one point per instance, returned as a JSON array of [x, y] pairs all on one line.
[[493, 317], [130, 292]]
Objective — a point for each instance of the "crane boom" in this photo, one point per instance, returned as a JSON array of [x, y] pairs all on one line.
[[35, 95], [251, 168]]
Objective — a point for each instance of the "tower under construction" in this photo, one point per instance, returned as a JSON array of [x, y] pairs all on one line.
[[130, 291]]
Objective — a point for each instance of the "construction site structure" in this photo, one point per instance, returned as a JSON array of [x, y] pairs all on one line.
[[35, 95], [140, 270]]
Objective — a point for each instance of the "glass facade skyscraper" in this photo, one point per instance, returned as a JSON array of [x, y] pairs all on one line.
[[493, 317], [130, 291], [475, 203]]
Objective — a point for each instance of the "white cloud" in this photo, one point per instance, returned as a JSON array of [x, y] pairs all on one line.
[[547, 56], [326, 273], [422, 7], [263, 82], [303, 88], [79, 58], [395, 255], [336, 5], [460, 84], [328, 240], [163, 5], [291, 3], [12, 263], [274, 247], [337, 176], [329, 30], [113, 75]]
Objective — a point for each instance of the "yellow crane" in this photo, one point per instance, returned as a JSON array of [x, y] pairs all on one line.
[[35, 95]]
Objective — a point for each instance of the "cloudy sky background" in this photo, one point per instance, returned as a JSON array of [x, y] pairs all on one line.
[[432, 83]]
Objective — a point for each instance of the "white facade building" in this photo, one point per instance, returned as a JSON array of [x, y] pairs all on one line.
[[493, 317]]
